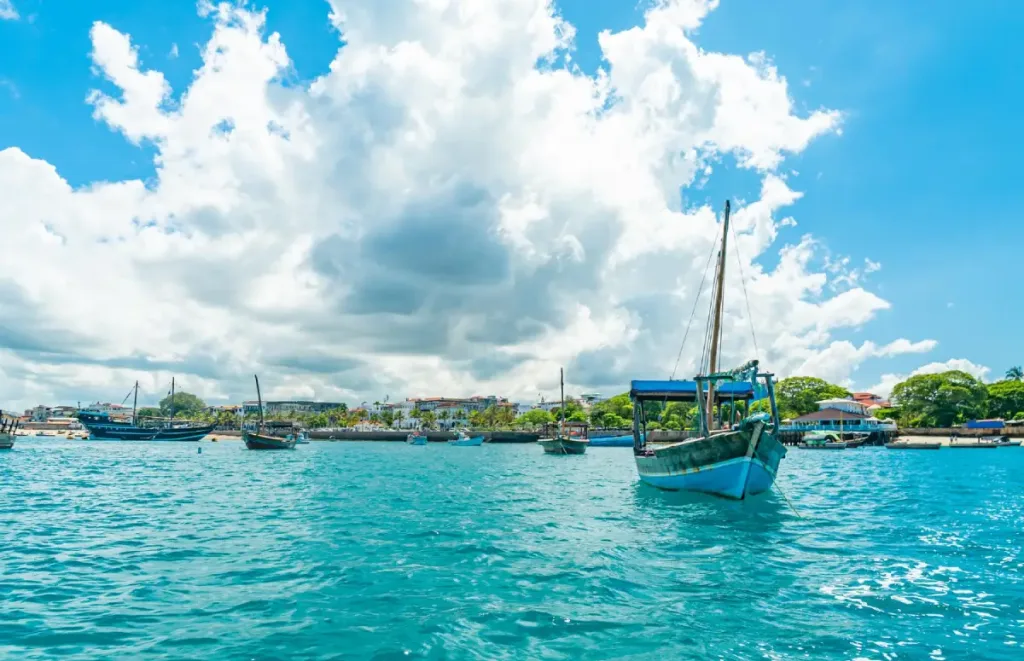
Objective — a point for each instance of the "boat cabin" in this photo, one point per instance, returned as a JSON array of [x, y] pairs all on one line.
[[573, 429]]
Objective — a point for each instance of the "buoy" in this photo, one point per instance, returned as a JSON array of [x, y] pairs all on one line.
[[200, 450]]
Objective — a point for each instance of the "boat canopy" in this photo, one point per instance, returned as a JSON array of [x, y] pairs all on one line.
[[686, 391]]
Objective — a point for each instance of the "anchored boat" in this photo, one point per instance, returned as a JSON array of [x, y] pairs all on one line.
[[726, 459], [8, 427], [416, 438], [462, 439], [567, 437], [260, 440], [104, 428], [823, 440], [914, 445]]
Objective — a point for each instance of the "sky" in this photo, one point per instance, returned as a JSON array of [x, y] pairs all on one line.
[[405, 198]]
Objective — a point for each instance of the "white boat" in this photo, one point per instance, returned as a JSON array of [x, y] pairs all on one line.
[[462, 439]]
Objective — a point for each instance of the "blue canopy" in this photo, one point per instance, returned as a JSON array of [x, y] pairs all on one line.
[[686, 391]]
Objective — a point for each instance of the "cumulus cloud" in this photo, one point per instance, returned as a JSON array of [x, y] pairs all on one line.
[[451, 209], [7, 11], [889, 381]]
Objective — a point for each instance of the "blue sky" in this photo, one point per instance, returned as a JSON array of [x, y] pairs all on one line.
[[922, 178]]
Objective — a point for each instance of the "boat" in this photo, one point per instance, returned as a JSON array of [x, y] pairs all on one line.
[[823, 440], [733, 461], [416, 438], [103, 428], [857, 440], [8, 429], [1001, 441], [914, 445], [260, 439], [624, 441], [980, 443], [566, 437], [301, 438], [462, 439]]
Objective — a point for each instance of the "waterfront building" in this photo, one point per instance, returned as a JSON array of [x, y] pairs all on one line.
[[38, 414], [115, 411], [847, 416], [291, 406]]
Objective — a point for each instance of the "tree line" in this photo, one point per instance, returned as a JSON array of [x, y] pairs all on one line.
[[923, 400]]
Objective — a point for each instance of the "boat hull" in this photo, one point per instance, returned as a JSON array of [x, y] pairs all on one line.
[[113, 431], [6, 441], [823, 446], [563, 446], [913, 446], [735, 464], [612, 442], [467, 442], [974, 446], [255, 441], [416, 440]]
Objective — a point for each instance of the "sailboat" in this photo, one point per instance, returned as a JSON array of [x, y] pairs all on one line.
[[103, 428], [568, 437], [734, 460], [7, 429], [260, 439]]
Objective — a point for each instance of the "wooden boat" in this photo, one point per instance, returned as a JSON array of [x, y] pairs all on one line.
[[102, 428], [732, 461], [566, 437], [624, 441], [979, 444], [8, 429], [260, 440], [914, 445], [464, 440], [416, 438], [823, 441]]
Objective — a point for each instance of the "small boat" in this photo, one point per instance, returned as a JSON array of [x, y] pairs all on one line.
[[301, 438], [725, 459], [823, 441], [1010, 443], [977, 444], [914, 445], [416, 438], [8, 427], [857, 440], [462, 439], [260, 440], [624, 441], [566, 437]]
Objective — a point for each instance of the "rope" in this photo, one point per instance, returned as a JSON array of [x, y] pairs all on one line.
[[693, 313], [743, 281], [786, 498]]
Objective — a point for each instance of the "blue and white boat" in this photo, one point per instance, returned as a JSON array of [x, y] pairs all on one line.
[[728, 460], [624, 441], [103, 428], [416, 438], [462, 439]]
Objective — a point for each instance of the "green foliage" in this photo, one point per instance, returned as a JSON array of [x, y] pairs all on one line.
[[149, 412], [535, 418], [612, 413], [940, 400], [1015, 373], [185, 403], [1005, 399], [799, 395], [888, 414], [427, 419], [573, 411]]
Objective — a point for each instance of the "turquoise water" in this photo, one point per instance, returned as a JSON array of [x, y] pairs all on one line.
[[387, 551]]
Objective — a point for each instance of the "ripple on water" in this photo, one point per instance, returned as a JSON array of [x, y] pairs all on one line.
[[381, 551]]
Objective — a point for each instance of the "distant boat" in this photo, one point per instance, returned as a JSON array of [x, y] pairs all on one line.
[[566, 437], [301, 438], [103, 428], [462, 439], [624, 441], [416, 438], [260, 440], [732, 461], [823, 440], [8, 429], [914, 445]]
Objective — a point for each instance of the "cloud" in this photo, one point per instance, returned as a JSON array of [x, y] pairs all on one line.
[[7, 11], [889, 381], [449, 210], [173, 54]]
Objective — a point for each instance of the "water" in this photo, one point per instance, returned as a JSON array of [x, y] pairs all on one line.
[[386, 551]]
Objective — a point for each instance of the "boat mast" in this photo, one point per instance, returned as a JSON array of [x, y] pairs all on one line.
[[259, 399], [135, 404], [172, 398], [561, 386], [716, 329]]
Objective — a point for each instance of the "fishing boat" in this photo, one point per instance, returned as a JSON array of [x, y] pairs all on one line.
[[624, 441], [260, 439], [975, 444], [566, 437], [822, 440], [914, 445], [301, 438], [462, 439], [416, 438], [103, 428], [856, 440], [8, 429], [728, 460]]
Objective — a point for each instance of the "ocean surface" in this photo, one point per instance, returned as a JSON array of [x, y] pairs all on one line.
[[387, 551]]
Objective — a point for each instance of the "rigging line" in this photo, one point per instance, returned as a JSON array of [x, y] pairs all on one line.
[[743, 281], [127, 396], [696, 301], [786, 498]]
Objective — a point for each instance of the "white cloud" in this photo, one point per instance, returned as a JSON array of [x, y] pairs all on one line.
[[435, 214], [174, 51], [889, 381], [7, 11]]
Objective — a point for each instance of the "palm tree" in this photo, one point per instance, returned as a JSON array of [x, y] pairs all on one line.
[[1015, 373]]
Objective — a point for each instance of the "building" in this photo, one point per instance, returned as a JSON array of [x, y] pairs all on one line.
[[113, 410], [38, 414], [284, 407], [871, 401], [63, 411], [845, 416]]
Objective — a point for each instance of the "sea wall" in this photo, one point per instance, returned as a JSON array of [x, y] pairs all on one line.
[[1014, 431]]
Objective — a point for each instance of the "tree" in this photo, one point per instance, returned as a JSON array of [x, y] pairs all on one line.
[[939, 400], [573, 411], [185, 404], [799, 395], [1005, 399], [612, 412], [319, 420], [535, 418], [149, 412], [1015, 373], [428, 419]]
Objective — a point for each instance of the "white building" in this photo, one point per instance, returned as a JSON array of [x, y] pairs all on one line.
[[113, 410], [841, 404]]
